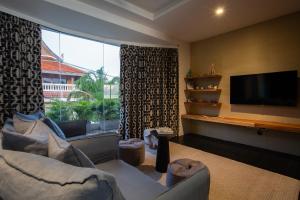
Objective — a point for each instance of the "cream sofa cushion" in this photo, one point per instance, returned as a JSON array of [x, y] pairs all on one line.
[[62, 150], [28, 176], [22, 126], [34, 140]]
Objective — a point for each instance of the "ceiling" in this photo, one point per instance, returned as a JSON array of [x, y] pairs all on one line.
[[152, 5], [192, 20], [101, 26], [152, 21]]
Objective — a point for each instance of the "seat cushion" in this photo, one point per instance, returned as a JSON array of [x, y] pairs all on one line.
[[133, 184], [60, 149], [27, 176]]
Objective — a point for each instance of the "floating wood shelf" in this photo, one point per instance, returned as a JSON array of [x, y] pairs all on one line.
[[203, 77], [204, 104], [202, 90], [293, 128]]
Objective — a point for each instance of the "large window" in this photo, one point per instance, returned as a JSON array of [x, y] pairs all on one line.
[[81, 80]]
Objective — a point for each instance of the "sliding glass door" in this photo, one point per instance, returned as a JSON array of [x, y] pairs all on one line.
[[81, 81]]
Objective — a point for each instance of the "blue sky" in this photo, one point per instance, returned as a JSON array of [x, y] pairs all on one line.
[[84, 53]]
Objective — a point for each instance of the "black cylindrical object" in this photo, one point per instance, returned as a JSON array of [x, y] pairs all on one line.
[[163, 155]]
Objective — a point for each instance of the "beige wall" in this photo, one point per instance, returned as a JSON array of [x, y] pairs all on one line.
[[266, 47], [184, 66]]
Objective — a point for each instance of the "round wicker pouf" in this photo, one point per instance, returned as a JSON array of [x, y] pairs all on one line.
[[180, 169], [132, 151]]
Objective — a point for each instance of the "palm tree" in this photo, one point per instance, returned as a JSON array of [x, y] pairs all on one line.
[[90, 86], [115, 80], [90, 93]]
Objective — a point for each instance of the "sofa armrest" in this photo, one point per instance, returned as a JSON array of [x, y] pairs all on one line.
[[193, 188], [98, 147]]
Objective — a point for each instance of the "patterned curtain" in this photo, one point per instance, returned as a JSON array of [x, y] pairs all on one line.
[[20, 72], [148, 89]]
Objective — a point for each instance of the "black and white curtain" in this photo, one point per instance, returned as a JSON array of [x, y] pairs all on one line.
[[20, 70], [148, 89]]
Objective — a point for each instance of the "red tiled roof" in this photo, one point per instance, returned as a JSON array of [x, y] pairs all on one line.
[[47, 53], [60, 67], [50, 62]]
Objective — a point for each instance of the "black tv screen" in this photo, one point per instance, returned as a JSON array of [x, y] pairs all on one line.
[[278, 88]]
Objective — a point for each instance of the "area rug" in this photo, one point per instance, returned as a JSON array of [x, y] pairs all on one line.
[[230, 180]]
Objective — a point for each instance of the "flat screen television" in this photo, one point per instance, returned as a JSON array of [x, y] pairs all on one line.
[[277, 88]]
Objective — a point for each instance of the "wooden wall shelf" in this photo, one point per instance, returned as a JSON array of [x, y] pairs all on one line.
[[207, 82], [216, 76], [204, 104], [202, 90], [293, 128]]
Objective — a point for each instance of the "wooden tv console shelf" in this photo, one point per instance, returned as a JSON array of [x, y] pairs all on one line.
[[293, 128]]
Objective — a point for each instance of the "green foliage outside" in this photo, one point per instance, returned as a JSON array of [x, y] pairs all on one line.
[[87, 102]]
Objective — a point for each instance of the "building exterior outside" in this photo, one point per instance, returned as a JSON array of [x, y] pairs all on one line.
[[58, 77]]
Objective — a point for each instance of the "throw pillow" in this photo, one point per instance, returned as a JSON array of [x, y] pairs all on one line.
[[23, 122], [22, 126], [30, 117], [34, 140], [18, 142], [39, 131], [54, 127], [63, 151], [9, 124]]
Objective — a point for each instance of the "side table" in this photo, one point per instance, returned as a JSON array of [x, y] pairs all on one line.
[[163, 153]]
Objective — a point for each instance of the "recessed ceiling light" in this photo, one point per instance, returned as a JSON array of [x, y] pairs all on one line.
[[219, 11]]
